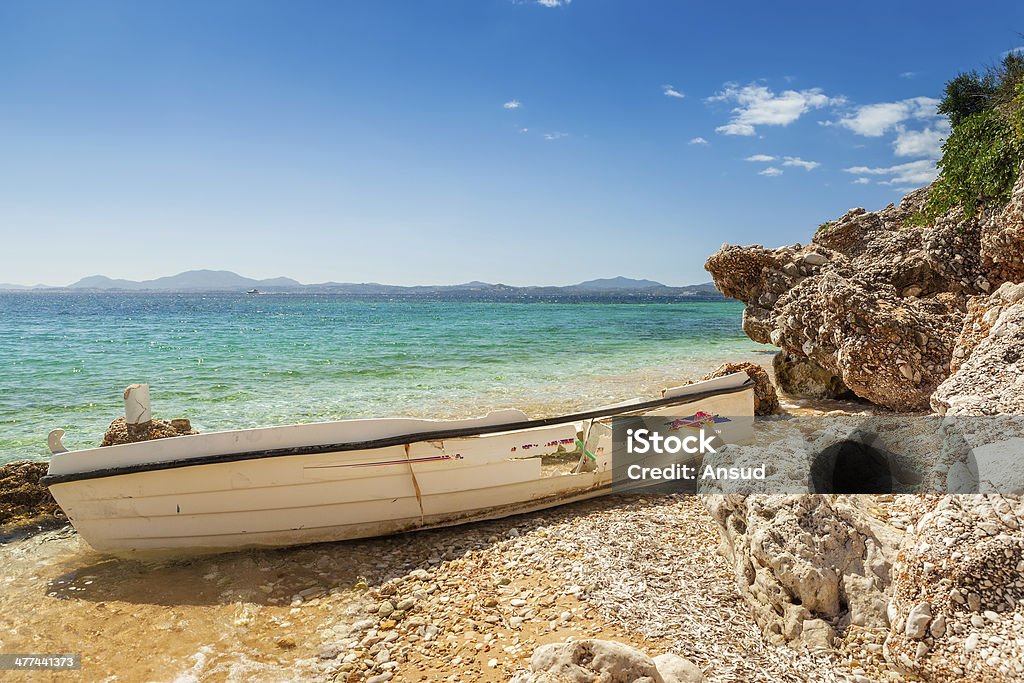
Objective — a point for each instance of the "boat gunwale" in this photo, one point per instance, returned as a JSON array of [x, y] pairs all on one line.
[[397, 440]]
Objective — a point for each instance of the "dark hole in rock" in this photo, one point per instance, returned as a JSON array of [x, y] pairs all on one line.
[[852, 466]]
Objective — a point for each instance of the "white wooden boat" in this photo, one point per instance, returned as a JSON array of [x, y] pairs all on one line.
[[350, 479]]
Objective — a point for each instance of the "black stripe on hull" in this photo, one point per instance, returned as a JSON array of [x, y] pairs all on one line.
[[398, 440]]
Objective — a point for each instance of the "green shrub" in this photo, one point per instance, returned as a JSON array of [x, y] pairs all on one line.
[[981, 157], [978, 166]]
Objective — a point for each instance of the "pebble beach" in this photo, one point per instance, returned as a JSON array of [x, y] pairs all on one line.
[[462, 604]]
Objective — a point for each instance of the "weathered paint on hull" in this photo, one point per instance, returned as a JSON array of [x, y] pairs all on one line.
[[311, 498]]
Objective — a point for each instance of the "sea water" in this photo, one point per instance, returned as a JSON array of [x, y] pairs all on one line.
[[229, 361]]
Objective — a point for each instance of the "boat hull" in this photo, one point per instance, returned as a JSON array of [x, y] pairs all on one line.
[[200, 504]]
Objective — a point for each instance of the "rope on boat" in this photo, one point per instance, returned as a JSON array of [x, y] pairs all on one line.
[[582, 446]]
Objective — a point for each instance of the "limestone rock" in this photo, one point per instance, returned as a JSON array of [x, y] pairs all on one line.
[[982, 313], [800, 376], [1002, 240], [766, 400], [991, 379], [875, 300], [917, 620], [593, 661], [967, 545], [676, 669], [22, 497], [120, 432], [806, 564]]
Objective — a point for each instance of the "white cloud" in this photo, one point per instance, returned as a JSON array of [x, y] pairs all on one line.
[[512, 104], [797, 161], [908, 74], [524, 130], [759, 106], [553, 3], [921, 143], [672, 92], [699, 141], [910, 174], [771, 171], [555, 135], [862, 181], [735, 128], [760, 157], [874, 120], [1019, 49]]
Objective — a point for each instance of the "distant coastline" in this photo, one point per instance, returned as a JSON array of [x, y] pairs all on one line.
[[200, 281]]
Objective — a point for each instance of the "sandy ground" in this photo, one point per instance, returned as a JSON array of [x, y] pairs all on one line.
[[641, 571]]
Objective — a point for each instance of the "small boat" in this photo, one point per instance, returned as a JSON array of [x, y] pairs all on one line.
[[252, 291], [332, 481]]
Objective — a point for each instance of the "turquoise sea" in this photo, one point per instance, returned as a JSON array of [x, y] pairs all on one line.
[[228, 361]]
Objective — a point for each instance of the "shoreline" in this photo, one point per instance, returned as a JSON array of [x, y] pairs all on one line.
[[482, 593], [599, 390]]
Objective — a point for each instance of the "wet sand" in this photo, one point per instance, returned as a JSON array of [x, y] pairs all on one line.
[[249, 616]]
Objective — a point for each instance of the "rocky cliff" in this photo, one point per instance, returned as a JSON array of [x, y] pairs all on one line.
[[890, 309]]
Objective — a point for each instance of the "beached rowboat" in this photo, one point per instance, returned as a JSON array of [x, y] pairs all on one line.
[[351, 479]]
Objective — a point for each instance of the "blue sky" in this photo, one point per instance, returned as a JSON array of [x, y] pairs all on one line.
[[439, 142]]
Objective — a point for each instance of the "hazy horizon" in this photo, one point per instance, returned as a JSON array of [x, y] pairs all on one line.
[[304, 283], [513, 141]]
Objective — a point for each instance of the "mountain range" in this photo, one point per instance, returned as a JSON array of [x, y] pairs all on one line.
[[227, 281]]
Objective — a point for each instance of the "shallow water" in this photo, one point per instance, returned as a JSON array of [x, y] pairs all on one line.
[[229, 361], [219, 618]]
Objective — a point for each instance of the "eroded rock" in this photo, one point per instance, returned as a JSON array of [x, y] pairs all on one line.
[[958, 594], [1002, 240], [800, 376], [990, 378], [807, 565], [22, 497], [876, 300], [120, 432], [766, 400], [604, 661]]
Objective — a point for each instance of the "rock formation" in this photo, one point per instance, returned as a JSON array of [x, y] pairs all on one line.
[[957, 608], [875, 302], [988, 358], [22, 497], [807, 565], [798, 375], [120, 432], [766, 400], [605, 661]]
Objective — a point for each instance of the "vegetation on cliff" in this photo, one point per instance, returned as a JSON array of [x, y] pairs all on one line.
[[982, 156]]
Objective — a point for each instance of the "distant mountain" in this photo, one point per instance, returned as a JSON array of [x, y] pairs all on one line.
[[103, 282], [193, 280], [616, 284], [703, 288], [618, 288], [6, 287]]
